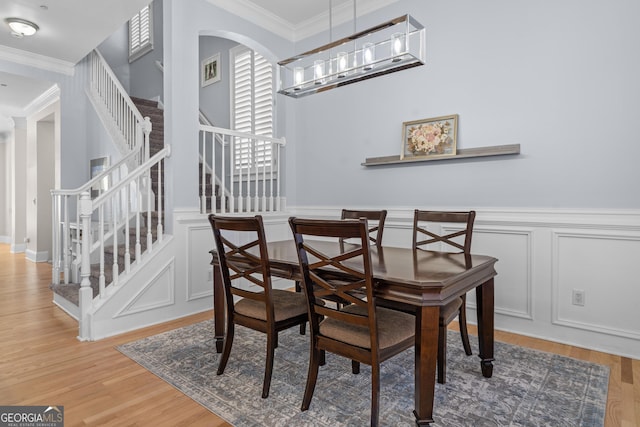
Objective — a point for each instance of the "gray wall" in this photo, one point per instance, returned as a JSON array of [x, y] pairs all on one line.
[[146, 78], [215, 100], [182, 28], [115, 50], [73, 105], [559, 78]]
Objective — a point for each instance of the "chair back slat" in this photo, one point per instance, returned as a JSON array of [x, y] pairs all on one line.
[[422, 236], [375, 219]]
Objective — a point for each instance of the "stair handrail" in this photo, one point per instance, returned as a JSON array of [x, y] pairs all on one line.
[[280, 141], [95, 180], [63, 203], [137, 173], [104, 84]]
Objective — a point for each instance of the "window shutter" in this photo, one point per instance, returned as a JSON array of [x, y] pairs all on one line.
[[252, 106], [140, 33]]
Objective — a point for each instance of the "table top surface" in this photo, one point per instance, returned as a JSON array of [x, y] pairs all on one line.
[[414, 276]]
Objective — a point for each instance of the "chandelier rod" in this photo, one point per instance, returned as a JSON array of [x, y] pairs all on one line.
[[331, 19]]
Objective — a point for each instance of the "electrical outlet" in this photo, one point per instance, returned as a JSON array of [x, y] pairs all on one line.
[[210, 276], [577, 297]]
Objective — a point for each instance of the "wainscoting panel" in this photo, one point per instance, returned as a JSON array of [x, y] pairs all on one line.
[[605, 268], [157, 293], [199, 281], [513, 284], [543, 255]]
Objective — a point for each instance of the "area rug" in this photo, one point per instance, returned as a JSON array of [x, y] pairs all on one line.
[[528, 387]]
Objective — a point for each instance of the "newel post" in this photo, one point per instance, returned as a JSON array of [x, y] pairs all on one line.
[[147, 130], [85, 296]]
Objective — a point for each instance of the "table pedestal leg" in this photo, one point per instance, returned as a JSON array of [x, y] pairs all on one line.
[[485, 298], [426, 358], [218, 308]]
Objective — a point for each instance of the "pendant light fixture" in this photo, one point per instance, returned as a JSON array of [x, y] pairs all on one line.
[[392, 46]]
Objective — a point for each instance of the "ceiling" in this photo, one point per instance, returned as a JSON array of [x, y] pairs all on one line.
[[70, 29]]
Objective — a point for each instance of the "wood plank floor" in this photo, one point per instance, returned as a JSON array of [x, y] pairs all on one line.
[[43, 363]]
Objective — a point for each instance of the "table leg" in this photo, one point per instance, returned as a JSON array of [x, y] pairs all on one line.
[[426, 358], [218, 308], [485, 298]]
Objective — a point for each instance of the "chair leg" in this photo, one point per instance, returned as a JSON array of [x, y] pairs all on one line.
[[312, 377], [375, 394], [303, 326], [355, 367], [272, 342], [442, 355], [462, 321], [226, 351]]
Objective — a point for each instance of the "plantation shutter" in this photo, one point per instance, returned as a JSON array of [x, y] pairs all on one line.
[[252, 106], [140, 32]]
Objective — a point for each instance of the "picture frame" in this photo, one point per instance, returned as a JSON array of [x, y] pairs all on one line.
[[434, 137], [211, 70]]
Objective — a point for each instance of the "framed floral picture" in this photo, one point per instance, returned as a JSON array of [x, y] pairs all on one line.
[[211, 70], [434, 137]]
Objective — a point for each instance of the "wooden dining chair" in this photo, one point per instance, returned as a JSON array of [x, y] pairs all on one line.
[[360, 331], [246, 275], [422, 236], [375, 219]]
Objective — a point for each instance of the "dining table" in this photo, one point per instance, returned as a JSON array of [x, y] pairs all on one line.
[[416, 280]]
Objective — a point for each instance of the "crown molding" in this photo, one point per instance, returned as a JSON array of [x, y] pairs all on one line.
[[295, 32], [47, 98], [257, 15], [35, 60], [342, 14]]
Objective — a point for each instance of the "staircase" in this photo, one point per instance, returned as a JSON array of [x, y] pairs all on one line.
[[112, 262], [69, 291], [150, 109]]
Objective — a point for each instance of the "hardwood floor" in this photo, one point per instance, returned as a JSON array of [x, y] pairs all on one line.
[[43, 363]]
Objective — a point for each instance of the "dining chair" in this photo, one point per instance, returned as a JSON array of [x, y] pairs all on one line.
[[360, 331], [422, 236], [375, 219], [250, 299]]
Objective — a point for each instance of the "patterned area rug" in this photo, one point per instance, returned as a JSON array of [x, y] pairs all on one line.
[[528, 387]]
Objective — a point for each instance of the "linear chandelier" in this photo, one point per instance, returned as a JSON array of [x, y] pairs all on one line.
[[392, 46]]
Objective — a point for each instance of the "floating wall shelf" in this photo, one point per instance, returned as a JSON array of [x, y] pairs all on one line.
[[497, 150]]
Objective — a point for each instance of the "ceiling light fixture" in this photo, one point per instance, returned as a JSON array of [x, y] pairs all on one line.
[[21, 27], [392, 46]]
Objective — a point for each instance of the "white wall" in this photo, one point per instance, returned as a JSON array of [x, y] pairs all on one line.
[[543, 255], [42, 144], [17, 197], [5, 212]]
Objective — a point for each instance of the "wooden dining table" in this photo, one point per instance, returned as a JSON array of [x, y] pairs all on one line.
[[415, 279]]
